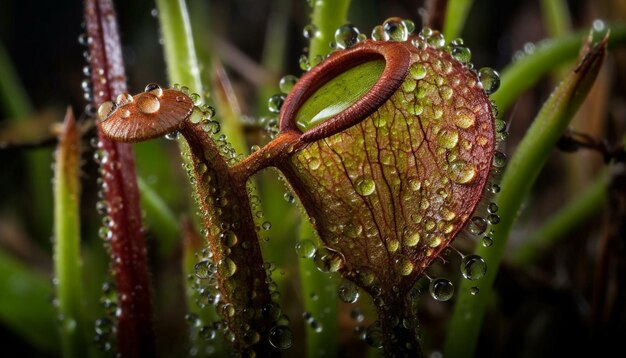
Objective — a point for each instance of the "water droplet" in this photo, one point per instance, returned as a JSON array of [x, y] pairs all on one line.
[[464, 118], [202, 269], [492, 208], [106, 109], [207, 333], [448, 138], [412, 239], [154, 89], [395, 29], [305, 248], [493, 219], [287, 82], [374, 336], [441, 289], [379, 34], [227, 267], [275, 103], [414, 183], [494, 188], [477, 225], [327, 260], [436, 39], [148, 104], [123, 99], [314, 163], [346, 36], [310, 31], [410, 25], [404, 266], [487, 241], [348, 292], [229, 238], [172, 135], [490, 79], [461, 54], [266, 225], [474, 290], [365, 186], [499, 159], [281, 337], [473, 267], [461, 172]]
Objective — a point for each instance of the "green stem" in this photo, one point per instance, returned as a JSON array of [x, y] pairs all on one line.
[[556, 17], [523, 169], [456, 14], [526, 72], [67, 264], [571, 216], [328, 15], [178, 41], [319, 294], [161, 219]]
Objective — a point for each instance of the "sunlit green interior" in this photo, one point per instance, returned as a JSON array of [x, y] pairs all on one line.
[[338, 94]]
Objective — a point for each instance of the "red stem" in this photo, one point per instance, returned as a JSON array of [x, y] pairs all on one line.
[[135, 331]]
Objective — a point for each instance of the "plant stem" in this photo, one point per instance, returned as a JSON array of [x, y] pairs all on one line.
[[456, 14], [572, 215], [67, 264], [328, 15], [241, 277], [178, 41], [524, 73], [135, 330], [522, 170]]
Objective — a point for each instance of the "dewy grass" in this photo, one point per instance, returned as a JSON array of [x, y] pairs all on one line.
[[522, 170]]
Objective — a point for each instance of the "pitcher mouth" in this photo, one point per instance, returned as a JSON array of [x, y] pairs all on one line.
[[397, 59]]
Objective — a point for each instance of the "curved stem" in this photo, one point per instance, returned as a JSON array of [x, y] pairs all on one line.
[[231, 232]]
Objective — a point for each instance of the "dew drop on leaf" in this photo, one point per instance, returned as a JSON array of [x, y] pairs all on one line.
[[148, 104], [154, 89], [327, 260], [365, 186], [305, 249]]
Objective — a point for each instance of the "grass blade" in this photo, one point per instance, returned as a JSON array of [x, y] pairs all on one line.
[[517, 181], [526, 72], [456, 14], [67, 263], [571, 216]]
